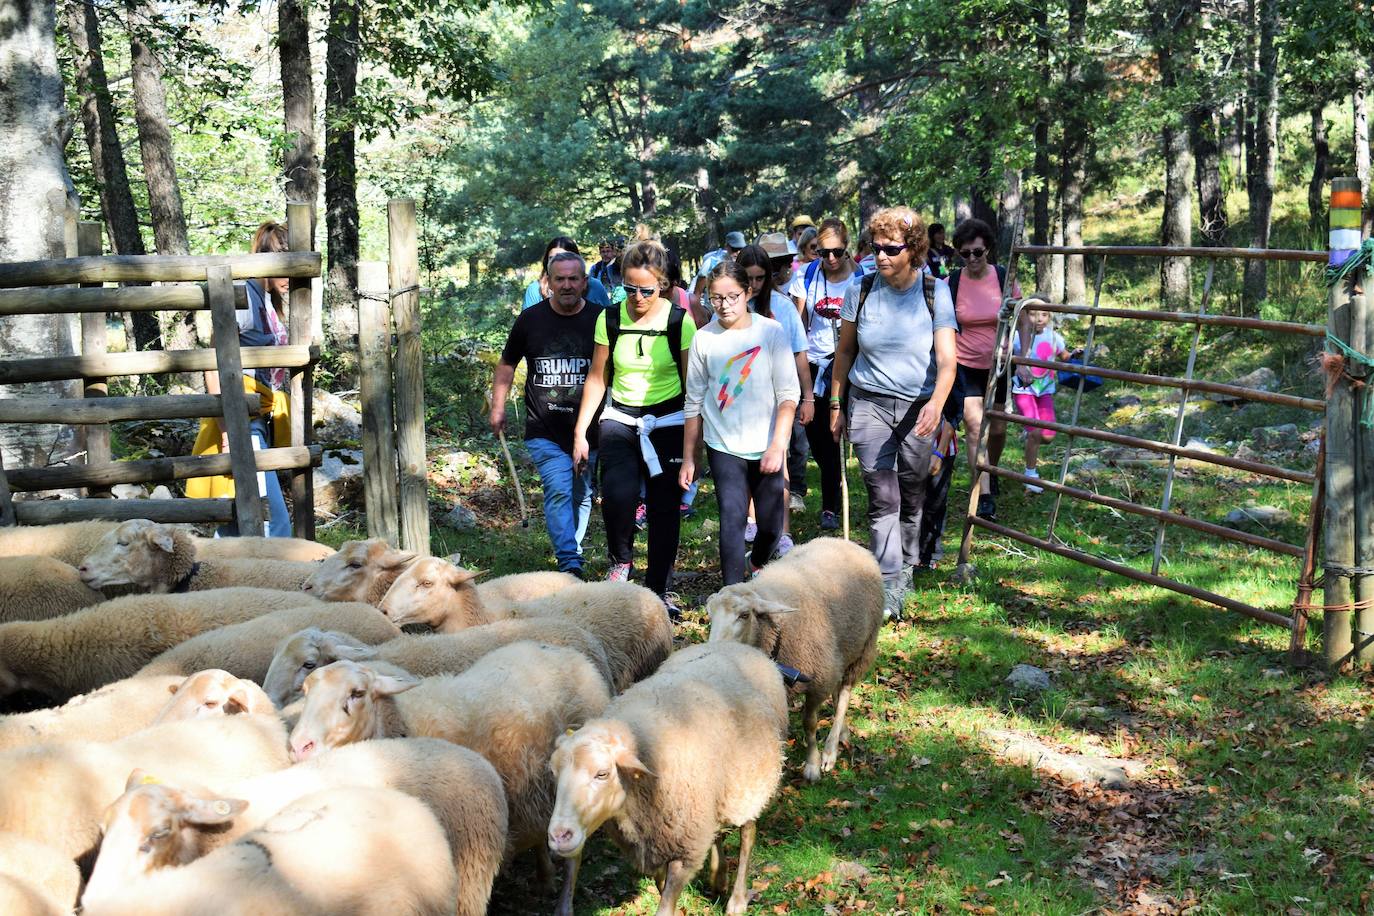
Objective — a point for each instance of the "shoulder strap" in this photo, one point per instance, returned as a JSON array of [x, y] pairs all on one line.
[[953, 281], [928, 294], [865, 287], [677, 315], [612, 333]]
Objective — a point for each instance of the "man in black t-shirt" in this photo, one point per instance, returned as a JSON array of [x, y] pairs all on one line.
[[555, 339]]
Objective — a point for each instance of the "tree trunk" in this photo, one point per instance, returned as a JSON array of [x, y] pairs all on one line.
[[1316, 188], [1073, 153], [107, 154], [300, 167], [341, 178], [1232, 116], [706, 208], [648, 183], [1265, 103], [1040, 222], [1359, 98], [37, 204], [1011, 214], [1175, 49], [1202, 135]]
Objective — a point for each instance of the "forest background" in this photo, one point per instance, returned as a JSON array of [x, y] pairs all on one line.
[[511, 123]]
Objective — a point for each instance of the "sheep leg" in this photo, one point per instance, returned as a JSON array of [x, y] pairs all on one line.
[[720, 879], [678, 876], [565, 898], [739, 900], [811, 719], [837, 731]]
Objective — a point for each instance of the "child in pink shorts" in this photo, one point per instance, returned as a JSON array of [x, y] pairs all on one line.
[[1033, 387]]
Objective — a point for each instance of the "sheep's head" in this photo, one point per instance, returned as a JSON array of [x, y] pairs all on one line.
[[341, 707], [739, 614], [433, 592], [592, 767], [358, 571], [301, 653], [152, 826], [148, 556], [213, 692]]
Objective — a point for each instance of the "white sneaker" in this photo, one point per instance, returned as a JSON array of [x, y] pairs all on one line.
[[619, 572], [751, 531], [798, 504], [1031, 488], [785, 545]]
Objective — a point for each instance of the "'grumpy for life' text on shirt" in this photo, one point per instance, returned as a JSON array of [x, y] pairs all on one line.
[[557, 350]]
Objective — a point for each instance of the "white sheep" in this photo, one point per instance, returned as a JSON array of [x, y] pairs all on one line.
[[509, 707], [341, 852], [214, 692], [358, 571], [155, 824], [106, 714], [259, 548], [674, 760], [147, 557], [421, 655], [246, 649], [35, 879], [525, 586], [68, 542], [57, 793], [39, 588], [65, 656], [628, 619], [826, 627]]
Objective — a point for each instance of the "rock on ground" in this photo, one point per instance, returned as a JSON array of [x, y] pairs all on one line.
[[1108, 772], [1028, 678], [335, 420], [1253, 514], [460, 518], [338, 479]]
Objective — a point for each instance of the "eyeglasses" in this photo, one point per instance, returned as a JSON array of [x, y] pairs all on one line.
[[969, 254], [890, 250], [831, 252], [644, 292], [730, 299]]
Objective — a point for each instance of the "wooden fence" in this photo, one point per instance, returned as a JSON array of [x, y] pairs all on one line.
[[42, 287]]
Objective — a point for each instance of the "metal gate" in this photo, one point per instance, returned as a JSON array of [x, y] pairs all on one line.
[[1161, 515]]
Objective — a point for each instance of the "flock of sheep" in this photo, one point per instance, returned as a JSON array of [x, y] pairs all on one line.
[[245, 728]]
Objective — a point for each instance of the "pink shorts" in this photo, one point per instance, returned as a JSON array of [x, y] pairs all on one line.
[[1036, 407]]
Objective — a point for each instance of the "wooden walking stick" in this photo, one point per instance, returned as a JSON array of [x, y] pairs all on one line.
[[843, 443], [510, 465]]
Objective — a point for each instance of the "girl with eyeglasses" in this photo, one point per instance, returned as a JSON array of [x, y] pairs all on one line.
[[641, 426], [895, 364], [819, 291], [742, 391], [977, 292]]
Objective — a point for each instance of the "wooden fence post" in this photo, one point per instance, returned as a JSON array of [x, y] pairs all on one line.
[[89, 242], [247, 500], [300, 231], [374, 381], [7, 518], [410, 381], [1339, 522]]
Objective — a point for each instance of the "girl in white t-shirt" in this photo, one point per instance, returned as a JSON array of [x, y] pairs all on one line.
[[819, 293], [741, 394]]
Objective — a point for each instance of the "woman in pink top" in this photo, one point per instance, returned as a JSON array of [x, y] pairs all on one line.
[[977, 292]]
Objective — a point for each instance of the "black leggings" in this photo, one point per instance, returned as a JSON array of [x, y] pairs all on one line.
[[826, 451], [737, 479], [622, 471]]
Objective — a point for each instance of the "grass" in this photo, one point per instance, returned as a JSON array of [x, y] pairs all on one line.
[[1255, 792]]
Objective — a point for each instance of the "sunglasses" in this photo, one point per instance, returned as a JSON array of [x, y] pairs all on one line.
[[890, 250], [831, 252], [644, 292], [970, 253]]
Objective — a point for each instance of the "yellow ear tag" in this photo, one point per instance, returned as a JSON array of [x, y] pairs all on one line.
[[149, 781], [570, 731], [221, 807]]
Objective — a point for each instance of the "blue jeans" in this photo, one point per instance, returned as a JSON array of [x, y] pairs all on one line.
[[567, 499], [278, 520]]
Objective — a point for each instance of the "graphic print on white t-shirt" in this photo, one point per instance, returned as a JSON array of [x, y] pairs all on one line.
[[823, 299]]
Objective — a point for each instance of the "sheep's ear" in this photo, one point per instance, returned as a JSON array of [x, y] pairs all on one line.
[[385, 685], [398, 559], [244, 698], [162, 539], [458, 577], [139, 777], [630, 765], [770, 609], [208, 812], [350, 652]]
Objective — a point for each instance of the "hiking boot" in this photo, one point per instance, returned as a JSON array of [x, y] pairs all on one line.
[[829, 521], [785, 545], [642, 517], [619, 572], [798, 503], [892, 602], [751, 531], [670, 603], [987, 508], [686, 511]]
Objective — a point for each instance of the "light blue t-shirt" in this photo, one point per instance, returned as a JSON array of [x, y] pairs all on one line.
[[896, 337], [785, 313], [596, 293]]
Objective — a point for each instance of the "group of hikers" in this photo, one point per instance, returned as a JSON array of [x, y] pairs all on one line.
[[776, 350]]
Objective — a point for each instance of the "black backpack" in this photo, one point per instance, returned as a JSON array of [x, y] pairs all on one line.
[[927, 293], [676, 316]]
